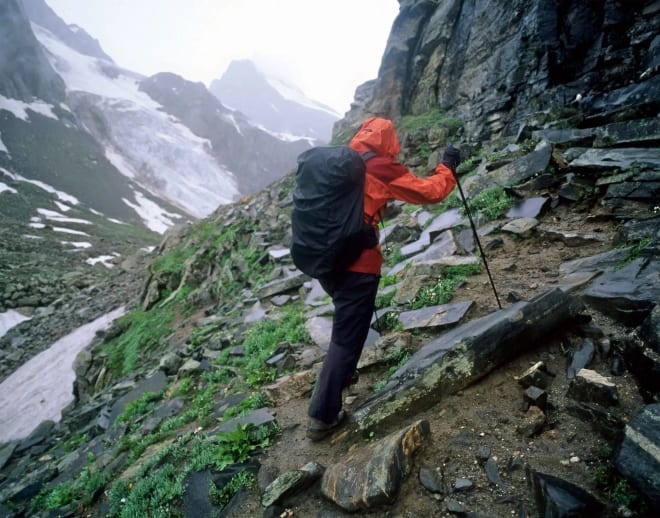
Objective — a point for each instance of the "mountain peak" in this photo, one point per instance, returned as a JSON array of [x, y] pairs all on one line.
[[272, 103]]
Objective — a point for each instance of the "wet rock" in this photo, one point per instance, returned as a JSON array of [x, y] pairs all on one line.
[[465, 354], [590, 387], [483, 454], [291, 483], [29, 485], [638, 455], [581, 358], [621, 158], [372, 476], [454, 506], [430, 479], [627, 294], [189, 367], [529, 208], [6, 451], [435, 316], [574, 137], [557, 497], [628, 132]]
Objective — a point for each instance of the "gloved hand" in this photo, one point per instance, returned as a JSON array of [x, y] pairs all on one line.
[[451, 157]]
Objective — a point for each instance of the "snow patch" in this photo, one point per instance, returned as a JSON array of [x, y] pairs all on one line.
[[9, 319], [103, 259], [292, 93], [30, 236], [37, 225], [72, 200], [40, 388], [3, 148], [4, 187], [113, 220], [20, 108], [154, 216], [70, 231], [74, 244], [56, 216], [62, 207]]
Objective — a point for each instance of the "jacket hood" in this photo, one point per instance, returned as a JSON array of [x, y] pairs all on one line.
[[377, 135]]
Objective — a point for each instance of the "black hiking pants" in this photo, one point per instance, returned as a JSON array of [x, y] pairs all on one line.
[[354, 296]]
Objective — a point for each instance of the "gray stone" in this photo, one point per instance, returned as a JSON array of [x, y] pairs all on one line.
[[435, 316], [196, 501], [597, 160], [557, 497], [463, 485], [529, 208], [522, 226], [155, 383], [170, 363], [493, 473], [581, 358], [278, 286], [515, 172], [467, 353], [38, 435], [575, 137], [638, 456], [590, 387], [373, 476], [537, 397], [320, 330], [636, 131], [430, 479], [189, 367], [409, 288], [291, 483], [627, 294], [6, 451], [256, 312], [596, 263], [258, 418]]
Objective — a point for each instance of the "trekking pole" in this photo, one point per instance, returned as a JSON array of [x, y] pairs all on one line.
[[476, 237]]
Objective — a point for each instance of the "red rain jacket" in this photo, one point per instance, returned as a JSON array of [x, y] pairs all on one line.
[[388, 180]]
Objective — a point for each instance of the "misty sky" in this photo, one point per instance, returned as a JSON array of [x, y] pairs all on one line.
[[326, 48]]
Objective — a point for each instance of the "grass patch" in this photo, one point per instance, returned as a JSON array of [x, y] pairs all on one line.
[[491, 203], [442, 291], [397, 359], [426, 121], [143, 333]]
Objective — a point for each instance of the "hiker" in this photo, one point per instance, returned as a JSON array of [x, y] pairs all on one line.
[[354, 289]]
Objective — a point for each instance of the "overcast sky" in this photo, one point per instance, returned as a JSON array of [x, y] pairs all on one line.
[[324, 47]]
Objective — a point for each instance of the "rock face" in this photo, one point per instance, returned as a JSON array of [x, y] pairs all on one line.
[[24, 70], [495, 62]]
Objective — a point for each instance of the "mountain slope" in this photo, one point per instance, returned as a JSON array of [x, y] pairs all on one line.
[[272, 104]]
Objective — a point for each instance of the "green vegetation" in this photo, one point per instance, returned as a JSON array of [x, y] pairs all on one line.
[[491, 202], [144, 331], [426, 121], [139, 407], [239, 482], [443, 289]]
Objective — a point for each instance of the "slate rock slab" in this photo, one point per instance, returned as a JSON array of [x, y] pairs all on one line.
[[529, 208], [435, 316], [638, 456], [196, 501], [372, 476], [465, 354], [627, 294], [278, 286], [291, 482], [557, 497], [258, 418], [155, 383]]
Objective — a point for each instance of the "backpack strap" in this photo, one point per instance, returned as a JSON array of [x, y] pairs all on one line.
[[367, 155]]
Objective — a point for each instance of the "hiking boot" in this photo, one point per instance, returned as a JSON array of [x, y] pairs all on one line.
[[317, 429]]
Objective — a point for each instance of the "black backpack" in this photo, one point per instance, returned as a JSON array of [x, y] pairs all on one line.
[[327, 220]]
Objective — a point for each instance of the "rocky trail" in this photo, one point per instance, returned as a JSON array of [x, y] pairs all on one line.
[[462, 409]]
